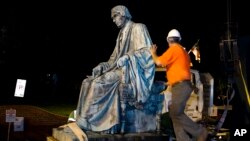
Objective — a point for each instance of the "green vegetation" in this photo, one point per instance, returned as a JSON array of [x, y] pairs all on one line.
[[59, 109]]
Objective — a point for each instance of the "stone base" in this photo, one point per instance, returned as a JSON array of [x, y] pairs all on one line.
[[66, 134], [50, 138]]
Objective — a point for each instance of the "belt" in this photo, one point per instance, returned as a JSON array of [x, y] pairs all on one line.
[[178, 82]]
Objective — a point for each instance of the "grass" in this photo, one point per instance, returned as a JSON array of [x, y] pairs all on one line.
[[59, 109]]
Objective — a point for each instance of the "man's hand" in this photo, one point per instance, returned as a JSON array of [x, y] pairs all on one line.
[[153, 49], [122, 61]]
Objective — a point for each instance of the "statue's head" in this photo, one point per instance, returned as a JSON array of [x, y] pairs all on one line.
[[120, 15]]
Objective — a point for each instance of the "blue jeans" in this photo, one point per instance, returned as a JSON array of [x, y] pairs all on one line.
[[183, 125]]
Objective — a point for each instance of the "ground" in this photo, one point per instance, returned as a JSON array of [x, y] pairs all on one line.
[[38, 123]]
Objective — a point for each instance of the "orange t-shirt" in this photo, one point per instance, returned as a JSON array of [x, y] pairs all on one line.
[[177, 63]]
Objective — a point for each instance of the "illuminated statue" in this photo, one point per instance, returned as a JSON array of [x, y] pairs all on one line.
[[124, 81]]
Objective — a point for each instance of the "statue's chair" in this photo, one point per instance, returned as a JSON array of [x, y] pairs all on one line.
[[141, 117]]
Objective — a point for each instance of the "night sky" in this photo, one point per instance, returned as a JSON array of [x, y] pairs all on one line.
[[70, 38], [64, 34]]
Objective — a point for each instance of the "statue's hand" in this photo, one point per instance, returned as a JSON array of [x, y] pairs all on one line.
[[122, 61], [97, 71]]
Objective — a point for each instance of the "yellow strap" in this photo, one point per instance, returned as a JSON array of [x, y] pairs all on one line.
[[76, 130], [245, 85]]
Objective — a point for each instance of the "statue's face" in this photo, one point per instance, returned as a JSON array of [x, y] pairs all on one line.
[[119, 20]]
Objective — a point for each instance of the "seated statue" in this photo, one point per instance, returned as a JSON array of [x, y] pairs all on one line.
[[121, 95]]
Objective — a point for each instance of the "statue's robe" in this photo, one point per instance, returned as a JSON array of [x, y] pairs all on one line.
[[99, 107]]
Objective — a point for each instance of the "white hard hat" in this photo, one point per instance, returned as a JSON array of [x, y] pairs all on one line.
[[174, 33]]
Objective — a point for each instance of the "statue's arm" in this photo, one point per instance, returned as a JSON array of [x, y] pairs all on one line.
[[103, 66]]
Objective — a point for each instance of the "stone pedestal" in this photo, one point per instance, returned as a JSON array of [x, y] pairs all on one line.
[[66, 134]]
